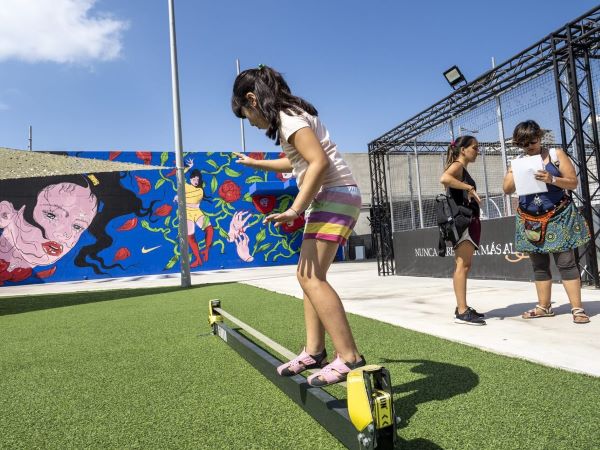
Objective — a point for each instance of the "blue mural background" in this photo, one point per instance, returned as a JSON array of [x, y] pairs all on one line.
[[148, 245]]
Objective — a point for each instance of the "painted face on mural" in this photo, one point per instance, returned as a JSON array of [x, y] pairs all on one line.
[[63, 210]]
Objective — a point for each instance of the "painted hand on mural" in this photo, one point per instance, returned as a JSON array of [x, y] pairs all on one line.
[[238, 225], [242, 244]]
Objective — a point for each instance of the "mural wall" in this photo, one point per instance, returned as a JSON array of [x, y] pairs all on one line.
[[100, 225]]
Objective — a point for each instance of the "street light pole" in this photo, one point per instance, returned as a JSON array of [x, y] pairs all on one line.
[[181, 206], [237, 66]]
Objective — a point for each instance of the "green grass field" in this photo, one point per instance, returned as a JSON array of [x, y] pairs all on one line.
[[139, 369]]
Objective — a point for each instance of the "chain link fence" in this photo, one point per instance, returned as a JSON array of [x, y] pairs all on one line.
[[414, 168]]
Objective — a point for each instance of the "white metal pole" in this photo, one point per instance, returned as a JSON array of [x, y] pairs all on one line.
[[30, 147], [507, 201], [419, 186], [181, 206], [237, 65]]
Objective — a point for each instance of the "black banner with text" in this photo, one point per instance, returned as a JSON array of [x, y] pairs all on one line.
[[416, 254]]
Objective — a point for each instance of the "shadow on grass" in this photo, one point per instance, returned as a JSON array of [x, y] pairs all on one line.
[[18, 305], [442, 381], [515, 310]]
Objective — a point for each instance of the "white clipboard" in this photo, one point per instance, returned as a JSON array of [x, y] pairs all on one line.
[[524, 170]]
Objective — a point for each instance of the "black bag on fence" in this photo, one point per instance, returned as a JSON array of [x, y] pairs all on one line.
[[452, 220]]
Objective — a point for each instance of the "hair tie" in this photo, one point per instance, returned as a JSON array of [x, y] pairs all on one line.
[[93, 179], [261, 66], [452, 143]]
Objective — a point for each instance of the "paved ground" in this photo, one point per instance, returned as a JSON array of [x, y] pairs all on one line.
[[421, 304]]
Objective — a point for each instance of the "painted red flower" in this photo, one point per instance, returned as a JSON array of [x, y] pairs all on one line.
[[163, 210], [46, 273], [143, 185], [264, 203], [122, 253], [113, 155], [144, 156], [171, 173], [284, 176], [128, 225], [229, 191], [257, 155], [290, 227]]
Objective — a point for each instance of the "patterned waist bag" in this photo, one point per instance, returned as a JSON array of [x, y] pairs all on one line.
[[561, 229], [534, 226]]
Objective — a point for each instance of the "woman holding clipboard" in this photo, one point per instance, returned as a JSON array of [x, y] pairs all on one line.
[[548, 222]]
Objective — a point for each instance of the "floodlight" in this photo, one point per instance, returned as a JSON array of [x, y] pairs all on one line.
[[454, 77]]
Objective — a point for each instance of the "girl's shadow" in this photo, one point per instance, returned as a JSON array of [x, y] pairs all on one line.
[[441, 381]]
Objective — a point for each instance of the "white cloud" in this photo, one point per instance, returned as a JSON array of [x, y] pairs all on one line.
[[62, 31]]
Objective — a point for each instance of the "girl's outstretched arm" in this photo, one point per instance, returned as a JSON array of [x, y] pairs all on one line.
[[281, 165], [305, 141]]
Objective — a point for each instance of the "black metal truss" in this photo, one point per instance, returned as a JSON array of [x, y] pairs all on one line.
[[567, 52], [537, 59], [576, 106], [381, 225], [440, 147]]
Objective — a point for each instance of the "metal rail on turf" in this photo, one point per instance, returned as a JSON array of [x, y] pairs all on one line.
[[365, 421]]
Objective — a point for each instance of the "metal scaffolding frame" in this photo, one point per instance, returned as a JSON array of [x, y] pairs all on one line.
[[567, 52]]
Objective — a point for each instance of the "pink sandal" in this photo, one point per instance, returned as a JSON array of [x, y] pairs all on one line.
[[303, 362], [335, 372]]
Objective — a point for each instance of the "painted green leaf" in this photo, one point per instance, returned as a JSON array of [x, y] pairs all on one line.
[[231, 172], [167, 220], [159, 183], [284, 205], [223, 234], [213, 184], [247, 197], [254, 179], [212, 163], [164, 156], [172, 262], [260, 236], [263, 247]]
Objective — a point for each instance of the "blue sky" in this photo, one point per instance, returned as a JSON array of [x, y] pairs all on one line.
[[95, 75]]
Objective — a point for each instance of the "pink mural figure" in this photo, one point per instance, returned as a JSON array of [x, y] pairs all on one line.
[[42, 219], [194, 194], [237, 234]]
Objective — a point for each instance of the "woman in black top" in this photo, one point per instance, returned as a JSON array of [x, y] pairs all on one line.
[[463, 190]]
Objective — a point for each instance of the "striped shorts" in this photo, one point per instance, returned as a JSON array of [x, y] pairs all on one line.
[[332, 215]]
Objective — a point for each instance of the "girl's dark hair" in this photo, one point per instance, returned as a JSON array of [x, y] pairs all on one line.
[[196, 173], [454, 148], [527, 131], [113, 200], [273, 95]]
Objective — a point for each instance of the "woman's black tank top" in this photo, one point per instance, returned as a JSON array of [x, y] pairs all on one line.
[[460, 195]]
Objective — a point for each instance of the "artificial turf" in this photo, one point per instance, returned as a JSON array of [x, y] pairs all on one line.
[[139, 369]]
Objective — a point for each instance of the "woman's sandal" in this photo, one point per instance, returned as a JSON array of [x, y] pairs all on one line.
[[537, 312], [579, 315], [302, 362], [334, 372]]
